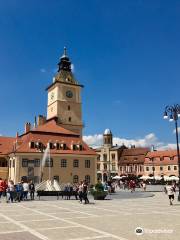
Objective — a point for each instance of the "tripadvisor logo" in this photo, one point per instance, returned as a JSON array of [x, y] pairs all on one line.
[[139, 231]]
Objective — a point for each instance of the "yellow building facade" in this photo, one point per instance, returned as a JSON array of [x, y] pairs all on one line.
[[70, 160]]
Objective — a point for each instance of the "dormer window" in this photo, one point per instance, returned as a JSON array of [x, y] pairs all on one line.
[[63, 146], [38, 145], [56, 145], [32, 144], [74, 147], [79, 147], [50, 145]]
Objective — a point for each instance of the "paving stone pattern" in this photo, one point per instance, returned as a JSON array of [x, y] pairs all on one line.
[[108, 220]]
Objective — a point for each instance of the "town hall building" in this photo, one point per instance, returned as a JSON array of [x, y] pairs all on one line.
[[71, 160]]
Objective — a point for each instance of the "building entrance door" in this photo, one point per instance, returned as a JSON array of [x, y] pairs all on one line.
[[30, 173]]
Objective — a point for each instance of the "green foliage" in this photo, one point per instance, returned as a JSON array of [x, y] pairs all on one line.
[[98, 191], [99, 187]]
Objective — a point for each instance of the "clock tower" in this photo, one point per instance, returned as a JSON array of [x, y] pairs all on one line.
[[64, 97]]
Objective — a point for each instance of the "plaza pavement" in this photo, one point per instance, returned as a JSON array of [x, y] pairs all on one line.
[[117, 218]]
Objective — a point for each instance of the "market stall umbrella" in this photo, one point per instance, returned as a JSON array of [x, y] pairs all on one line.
[[167, 178], [174, 178], [144, 177], [117, 177], [157, 177], [150, 178]]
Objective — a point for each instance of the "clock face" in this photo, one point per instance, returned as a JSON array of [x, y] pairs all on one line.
[[69, 94], [52, 96]]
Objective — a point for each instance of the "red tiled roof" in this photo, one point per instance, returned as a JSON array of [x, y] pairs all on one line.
[[6, 145], [53, 127], [161, 157], [166, 153], [133, 156], [45, 138], [134, 151], [49, 132]]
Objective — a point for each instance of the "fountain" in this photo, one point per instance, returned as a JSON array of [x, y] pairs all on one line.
[[47, 187], [46, 158]]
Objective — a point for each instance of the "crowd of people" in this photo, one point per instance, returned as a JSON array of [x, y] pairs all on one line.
[[129, 185], [16, 192], [80, 191], [23, 191]]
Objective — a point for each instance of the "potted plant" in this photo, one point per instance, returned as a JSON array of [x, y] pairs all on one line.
[[98, 191]]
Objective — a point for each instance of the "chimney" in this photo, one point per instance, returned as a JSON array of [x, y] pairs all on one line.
[[17, 134], [27, 127], [41, 120]]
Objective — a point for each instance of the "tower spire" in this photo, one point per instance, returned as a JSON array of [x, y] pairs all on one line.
[[65, 53], [65, 63]]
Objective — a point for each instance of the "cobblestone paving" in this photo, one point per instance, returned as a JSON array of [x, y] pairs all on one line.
[[111, 219]]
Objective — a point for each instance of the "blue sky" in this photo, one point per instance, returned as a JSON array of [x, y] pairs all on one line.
[[126, 53]]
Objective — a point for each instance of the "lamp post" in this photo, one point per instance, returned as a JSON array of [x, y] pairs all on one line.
[[173, 113], [109, 156], [153, 168]]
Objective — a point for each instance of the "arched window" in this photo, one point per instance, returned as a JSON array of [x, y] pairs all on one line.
[[3, 162], [99, 176], [87, 178], [76, 163], [63, 163], [49, 162], [75, 179]]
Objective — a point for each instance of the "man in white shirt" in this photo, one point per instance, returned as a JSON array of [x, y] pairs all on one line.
[[25, 190], [170, 190]]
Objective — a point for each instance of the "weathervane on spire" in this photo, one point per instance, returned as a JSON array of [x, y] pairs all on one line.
[[65, 63], [64, 53]]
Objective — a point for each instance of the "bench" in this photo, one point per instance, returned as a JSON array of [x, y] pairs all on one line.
[[57, 194]]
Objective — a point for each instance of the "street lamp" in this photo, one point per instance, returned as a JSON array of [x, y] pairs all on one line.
[[153, 168], [173, 113]]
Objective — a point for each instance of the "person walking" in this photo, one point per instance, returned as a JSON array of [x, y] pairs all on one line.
[[85, 192], [31, 189], [1, 187], [144, 186], [19, 191], [5, 186], [66, 191], [25, 190], [75, 191], [80, 191], [11, 190], [170, 190], [131, 185]]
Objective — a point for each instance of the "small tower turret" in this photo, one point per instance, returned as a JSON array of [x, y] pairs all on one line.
[[107, 138]]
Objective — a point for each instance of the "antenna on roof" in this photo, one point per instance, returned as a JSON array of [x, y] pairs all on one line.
[[152, 148], [35, 122]]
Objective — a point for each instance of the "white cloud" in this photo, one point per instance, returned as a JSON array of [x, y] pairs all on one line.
[[94, 140], [168, 146], [72, 68], [147, 141], [174, 131], [42, 70]]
